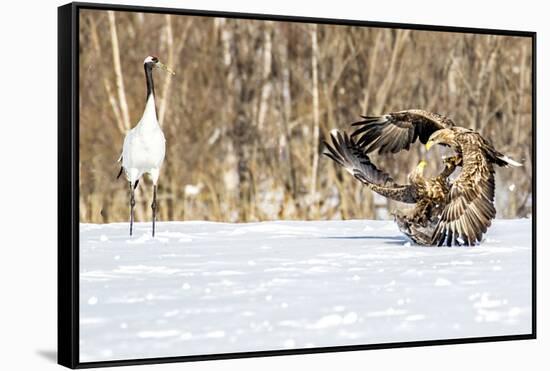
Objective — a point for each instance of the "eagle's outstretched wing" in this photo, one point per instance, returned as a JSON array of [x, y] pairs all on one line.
[[470, 209], [346, 153], [396, 131]]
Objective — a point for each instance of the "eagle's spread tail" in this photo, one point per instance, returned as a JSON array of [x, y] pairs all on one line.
[[507, 161], [495, 156]]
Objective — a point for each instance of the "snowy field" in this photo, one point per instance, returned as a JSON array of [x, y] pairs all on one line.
[[203, 287]]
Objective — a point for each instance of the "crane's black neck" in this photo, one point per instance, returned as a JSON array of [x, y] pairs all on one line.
[[149, 78]]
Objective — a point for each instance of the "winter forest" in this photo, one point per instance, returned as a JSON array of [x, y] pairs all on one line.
[[251, 102]]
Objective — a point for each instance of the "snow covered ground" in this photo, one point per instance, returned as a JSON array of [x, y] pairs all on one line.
[[204, 288]]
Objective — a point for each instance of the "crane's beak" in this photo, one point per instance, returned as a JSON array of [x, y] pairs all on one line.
[[162, 66], [429, 145]]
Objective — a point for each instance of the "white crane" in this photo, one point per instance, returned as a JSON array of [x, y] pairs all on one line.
[[144, 146]]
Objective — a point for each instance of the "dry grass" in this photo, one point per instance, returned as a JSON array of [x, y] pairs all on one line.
[[251, 102]]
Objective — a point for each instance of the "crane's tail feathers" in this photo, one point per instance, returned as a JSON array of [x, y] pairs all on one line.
[[509, 162], [120, 172]]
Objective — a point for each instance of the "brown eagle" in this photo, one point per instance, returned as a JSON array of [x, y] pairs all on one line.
[[428, 194], [470, 205]]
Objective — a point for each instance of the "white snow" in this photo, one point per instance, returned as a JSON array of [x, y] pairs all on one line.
[[204, 287]]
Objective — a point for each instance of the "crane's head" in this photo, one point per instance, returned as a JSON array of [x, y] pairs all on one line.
[[153, 62]]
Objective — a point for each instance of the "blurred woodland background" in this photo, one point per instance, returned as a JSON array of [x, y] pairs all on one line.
[[251, 102]]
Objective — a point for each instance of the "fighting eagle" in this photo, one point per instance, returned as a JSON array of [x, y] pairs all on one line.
[[470, 203], [428, 194]]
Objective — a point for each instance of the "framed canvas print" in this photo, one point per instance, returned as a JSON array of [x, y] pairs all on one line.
[[237, 185]]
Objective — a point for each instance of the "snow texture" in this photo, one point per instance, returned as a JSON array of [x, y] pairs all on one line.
[[205, 288]]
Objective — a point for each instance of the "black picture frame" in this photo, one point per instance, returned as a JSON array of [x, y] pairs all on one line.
[[68, 189]]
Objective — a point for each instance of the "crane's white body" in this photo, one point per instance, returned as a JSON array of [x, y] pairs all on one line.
[[144, 146]]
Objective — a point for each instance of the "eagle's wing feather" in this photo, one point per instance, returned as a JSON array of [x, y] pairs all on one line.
[[396, 131], [470, 209], [346, 153]]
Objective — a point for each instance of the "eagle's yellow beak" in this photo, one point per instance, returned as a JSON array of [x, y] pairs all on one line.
[[429, 145], [421, 165]]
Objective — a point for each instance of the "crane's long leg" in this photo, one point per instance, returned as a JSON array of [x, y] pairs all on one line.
[[132, 204], [154, 207]]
